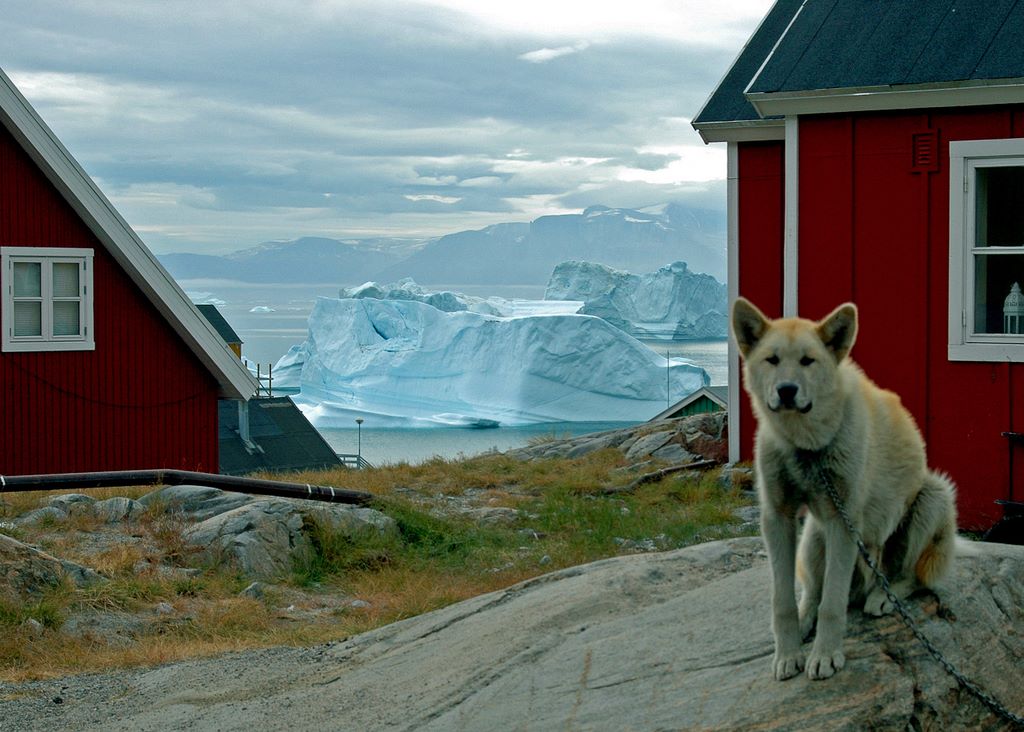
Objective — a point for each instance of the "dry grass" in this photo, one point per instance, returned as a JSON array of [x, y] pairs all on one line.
[[432, 562]]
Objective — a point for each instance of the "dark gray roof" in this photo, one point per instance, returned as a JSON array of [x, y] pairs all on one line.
[[840, 44], [727, 103], [211, 313], [288, 440]]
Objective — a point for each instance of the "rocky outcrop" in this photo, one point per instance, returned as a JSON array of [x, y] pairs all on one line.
[[690, 439], [261, 537], [27, 571], [677, 640]]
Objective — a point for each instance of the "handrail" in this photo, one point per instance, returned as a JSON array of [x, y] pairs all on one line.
[[121, 478]]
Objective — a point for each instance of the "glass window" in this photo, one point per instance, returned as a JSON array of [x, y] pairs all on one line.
[[48, 304]]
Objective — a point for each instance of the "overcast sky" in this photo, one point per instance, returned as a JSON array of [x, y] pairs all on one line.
[[219, 124]]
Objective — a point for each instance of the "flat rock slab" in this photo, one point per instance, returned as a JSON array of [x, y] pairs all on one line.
[[671, 641]]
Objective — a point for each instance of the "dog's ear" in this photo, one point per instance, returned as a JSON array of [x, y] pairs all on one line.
[[838, 330], [748, 324]]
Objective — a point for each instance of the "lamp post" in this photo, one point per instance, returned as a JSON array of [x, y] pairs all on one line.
[[359, 443]]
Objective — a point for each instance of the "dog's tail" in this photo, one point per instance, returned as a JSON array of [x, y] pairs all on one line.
[[932, 531]]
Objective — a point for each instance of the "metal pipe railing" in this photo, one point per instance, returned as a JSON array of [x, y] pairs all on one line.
[[122, 478]]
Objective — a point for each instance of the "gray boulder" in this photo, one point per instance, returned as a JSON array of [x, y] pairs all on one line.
[[72, 503], [117, 509], [46, 513], [195, 501], [262, 536], [27, 571]]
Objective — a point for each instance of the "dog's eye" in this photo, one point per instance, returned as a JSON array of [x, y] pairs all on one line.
[[806, 361], [773, 360]]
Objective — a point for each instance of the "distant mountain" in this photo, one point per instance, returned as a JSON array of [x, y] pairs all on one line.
[[309, 259], [637, 240], [634, 240]]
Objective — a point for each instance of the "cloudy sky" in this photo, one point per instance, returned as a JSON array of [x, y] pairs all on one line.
[[218, 124]]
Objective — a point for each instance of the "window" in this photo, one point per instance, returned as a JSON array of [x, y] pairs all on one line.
[[47, 299], [986, 250]]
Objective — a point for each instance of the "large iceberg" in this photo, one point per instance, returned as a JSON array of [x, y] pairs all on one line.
[[672, 303], [401, 363]]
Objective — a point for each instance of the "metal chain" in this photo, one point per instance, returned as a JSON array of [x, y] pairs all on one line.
[[987, 699]]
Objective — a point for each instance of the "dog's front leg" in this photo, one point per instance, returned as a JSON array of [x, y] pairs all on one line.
[[779, 531], [840, 556]]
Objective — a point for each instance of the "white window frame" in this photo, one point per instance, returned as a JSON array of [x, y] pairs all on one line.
[[965, 158], [46, 256]]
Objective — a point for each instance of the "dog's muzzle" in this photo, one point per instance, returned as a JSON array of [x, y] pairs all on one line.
[[787, 393]]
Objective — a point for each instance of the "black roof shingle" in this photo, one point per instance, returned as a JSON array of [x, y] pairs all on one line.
[[842, 44]]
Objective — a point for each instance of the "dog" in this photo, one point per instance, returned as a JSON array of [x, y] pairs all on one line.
[[821, 419]]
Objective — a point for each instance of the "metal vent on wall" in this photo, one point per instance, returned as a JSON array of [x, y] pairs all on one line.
[[925, 149]]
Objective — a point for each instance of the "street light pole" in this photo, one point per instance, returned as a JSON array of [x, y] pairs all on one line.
[[359, 444]]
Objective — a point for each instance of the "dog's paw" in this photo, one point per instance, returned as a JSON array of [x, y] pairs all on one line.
[[877, 603], [822, 665], [787, 665]]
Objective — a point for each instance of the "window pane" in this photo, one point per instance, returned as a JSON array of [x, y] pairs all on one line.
[[28, 279], [65, 279], [996, 304], [66, 319], [999, 208], [28, 318]]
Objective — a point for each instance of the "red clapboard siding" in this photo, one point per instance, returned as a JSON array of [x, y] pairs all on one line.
[[761, 221], [140, 400]]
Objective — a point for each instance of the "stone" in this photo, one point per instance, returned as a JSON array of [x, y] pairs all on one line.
[[26, 571], [359, 604], [493, 515], [163, 608], [674, 454], [600, 442], [72, 503], [647, 444], [46, 513], [114, 629], [117, 509], [261, 537], [33, 627], [196, 501]]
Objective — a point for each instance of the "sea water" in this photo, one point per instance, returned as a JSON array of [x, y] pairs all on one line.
[[270, 318]]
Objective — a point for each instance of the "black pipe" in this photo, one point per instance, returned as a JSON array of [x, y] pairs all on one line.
[[121, 478]]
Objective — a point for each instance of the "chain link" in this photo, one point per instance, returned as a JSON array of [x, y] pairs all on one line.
[[987, 699]]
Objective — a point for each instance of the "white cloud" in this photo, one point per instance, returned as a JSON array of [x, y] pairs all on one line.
[[543, 55], [432, 197]]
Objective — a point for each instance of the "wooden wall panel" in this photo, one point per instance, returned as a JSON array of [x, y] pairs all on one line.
[[140, 400], [826, 214], [761, 221]]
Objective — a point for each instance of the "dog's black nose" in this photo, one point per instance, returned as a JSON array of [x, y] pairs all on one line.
[[787, 394]]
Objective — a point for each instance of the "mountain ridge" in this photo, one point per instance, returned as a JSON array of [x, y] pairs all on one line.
[[641, 239]]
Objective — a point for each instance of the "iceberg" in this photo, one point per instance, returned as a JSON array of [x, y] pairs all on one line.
[[672, 303], [403, 363], [452, 302]]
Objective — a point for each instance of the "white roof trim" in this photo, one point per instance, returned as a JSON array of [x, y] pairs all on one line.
[[756, 130], [877, 98], [114, 233]]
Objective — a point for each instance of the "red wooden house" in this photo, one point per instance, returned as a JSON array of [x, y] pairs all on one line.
[[876, 154], [105, 364]]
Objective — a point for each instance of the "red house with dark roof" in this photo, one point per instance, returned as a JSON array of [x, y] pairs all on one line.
[[105, 364], [876, 154]]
